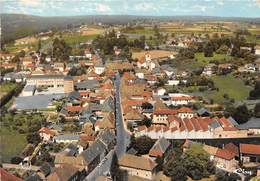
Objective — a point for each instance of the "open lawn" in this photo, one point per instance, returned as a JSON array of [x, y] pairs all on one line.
[[92, 31], [253, 39], [6, 87], [154, 54], [78, 38], [222, 58], [140, 31], [11, 144], [228, 84]]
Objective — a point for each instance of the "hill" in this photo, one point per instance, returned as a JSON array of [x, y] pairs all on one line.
[[19, 25]]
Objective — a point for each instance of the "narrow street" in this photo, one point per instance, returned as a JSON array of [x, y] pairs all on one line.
[[122, 136]]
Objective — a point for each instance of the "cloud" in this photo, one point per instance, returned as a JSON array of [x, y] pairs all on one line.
[[144, 7], [103, 8], [200, 7], [221, 3], [29, 3], [257, 2]]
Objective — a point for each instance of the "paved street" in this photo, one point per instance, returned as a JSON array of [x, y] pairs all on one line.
[[123, 139]]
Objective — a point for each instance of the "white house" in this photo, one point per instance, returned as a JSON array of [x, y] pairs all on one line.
[[99, 69], [46, 134], [159, 92]]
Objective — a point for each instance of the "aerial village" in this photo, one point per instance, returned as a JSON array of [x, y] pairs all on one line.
[[132, 115]]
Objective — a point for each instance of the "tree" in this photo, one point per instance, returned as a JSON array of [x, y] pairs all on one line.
[[16, 160], [257, 110], [147, 122], [175, 169], [223, 49], [147, 105], [208, 50], [33, 138], [255, 94], [197, 162], [187, 53], [241, 114], [39, 46], [143, 144]]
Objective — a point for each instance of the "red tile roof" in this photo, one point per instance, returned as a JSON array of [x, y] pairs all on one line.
[[230, 129], [6, 176], [252, 149], [232, 148], [47, 131], [188, 124], [155, 153], [177, 98], [225, 154], [184, 110], [225, 122], [195, 124], [85, 137], [141, 128], [74, 108], [165, 111]]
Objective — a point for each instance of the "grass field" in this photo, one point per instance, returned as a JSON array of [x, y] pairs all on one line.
[[78, 38], [222, 58], [228, 84], [252, 39], [11, 144], [6, 87]]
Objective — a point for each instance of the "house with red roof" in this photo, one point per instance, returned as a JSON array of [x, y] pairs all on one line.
[[6, 176], [226, 159], [46, 134], [250, 153], [185, 112], [181, 100], [160, 116], [160, 148]]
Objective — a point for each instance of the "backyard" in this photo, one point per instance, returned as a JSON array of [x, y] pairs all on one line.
[[222, 58], [228, 84], [6, 87], [12, 143]]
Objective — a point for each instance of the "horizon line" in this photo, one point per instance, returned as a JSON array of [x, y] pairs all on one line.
[[133, 15]]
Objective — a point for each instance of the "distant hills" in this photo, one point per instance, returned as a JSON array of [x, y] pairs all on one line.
[[19, 25]]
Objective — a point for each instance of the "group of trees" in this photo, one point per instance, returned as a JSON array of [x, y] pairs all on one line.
[[76, 71], [141, 144], [61, 50], [255, 93], [241, 114], [194, 163], [107, 42], [24, 123]]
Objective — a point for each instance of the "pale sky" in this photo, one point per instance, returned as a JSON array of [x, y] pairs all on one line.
[[223, 8]]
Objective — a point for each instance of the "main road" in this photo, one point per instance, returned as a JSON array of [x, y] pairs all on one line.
[[123, 135], [122, 138]]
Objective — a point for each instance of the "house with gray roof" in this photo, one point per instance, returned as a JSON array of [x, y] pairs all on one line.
[[108, 138], [87, 85], [93, 155], [159, 148]]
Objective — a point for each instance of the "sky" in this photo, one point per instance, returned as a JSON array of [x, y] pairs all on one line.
[[222, 8]]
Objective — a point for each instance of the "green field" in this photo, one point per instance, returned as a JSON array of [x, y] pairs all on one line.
[[140, 31], [6, 87], [206, 60], [252, 39], [76, 39], [228, 84], [12, 143]]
